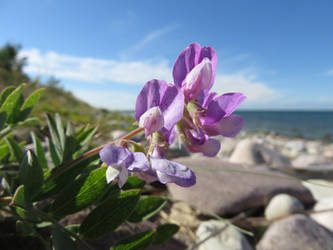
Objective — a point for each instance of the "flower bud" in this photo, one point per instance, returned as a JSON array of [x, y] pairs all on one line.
[[198, 79], [152, 120]]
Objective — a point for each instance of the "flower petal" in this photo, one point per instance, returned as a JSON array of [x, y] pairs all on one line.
[[172, 106], [123, 175], [210, 148], [228, 126], [140, 162], [210, 53], [152, 120], [112, 155], [187, 181], [150, 96], [230, 101], [198, 79], [111, 174], [213, 114], [185, 62]]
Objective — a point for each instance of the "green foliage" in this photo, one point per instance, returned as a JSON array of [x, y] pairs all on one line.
[[110, 214], [164, 233], [146, 208], [83, 192], [136, 242], [43, 190]]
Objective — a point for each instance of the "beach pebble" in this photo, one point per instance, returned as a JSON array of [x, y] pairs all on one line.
[[320, 189], [249, 151], [293, 148], [221, 236], [297, 232], [281, 205], [307, 160], [324, 218], [225, 188]]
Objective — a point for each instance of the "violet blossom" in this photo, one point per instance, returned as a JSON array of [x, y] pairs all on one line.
[[166, 171], [120, 161], [206, 114]]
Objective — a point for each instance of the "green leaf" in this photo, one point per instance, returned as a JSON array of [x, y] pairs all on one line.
[[146, 208], [39, 150], [19, 200], [60, 182], [81, 193], [55, 137], [62, 241], [164, 233], [4, 151], [5, 93], [133, 182], [86, 135], [11, 103], [54, 156], [139, 241], [61, 131], [3, 118], [31, 175], [109, 215], [30, 103], [15, 149]]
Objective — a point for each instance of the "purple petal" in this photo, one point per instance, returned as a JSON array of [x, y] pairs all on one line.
[[210, 148], [228, 126], [213, 114], [140, 162], [170, 135], [210, 53], [198, 79], [152, 120], [230, 101], [185, 62], [173, 172], [207, 98], [113, 155], [147, 176], [150, 96], [172, 106]]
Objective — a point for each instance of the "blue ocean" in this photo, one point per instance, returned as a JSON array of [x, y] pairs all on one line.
[[304, 124]]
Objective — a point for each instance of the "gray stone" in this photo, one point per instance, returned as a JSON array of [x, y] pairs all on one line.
[[218, 235], [226, 188], [297, 232], [294, 148], [305, 161], [250, 152], [281, 205], [320, 189], [323, 212]]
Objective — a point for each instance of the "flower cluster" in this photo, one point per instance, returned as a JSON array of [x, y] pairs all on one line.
[[187, 109]]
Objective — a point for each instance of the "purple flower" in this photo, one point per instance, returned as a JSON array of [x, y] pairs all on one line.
[[167, 171], [194, 70], [207, 114], [159, 106], [120, 161]]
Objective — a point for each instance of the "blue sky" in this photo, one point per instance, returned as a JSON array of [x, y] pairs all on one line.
[[278, 53]]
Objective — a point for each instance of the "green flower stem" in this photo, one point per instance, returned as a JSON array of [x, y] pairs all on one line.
[[91, 153]]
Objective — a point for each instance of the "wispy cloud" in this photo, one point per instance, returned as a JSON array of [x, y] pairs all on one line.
[[255, 91], [94, 70], [330, 72]]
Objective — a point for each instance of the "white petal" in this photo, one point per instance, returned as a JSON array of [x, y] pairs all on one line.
[[111, 174], [123, 175]]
